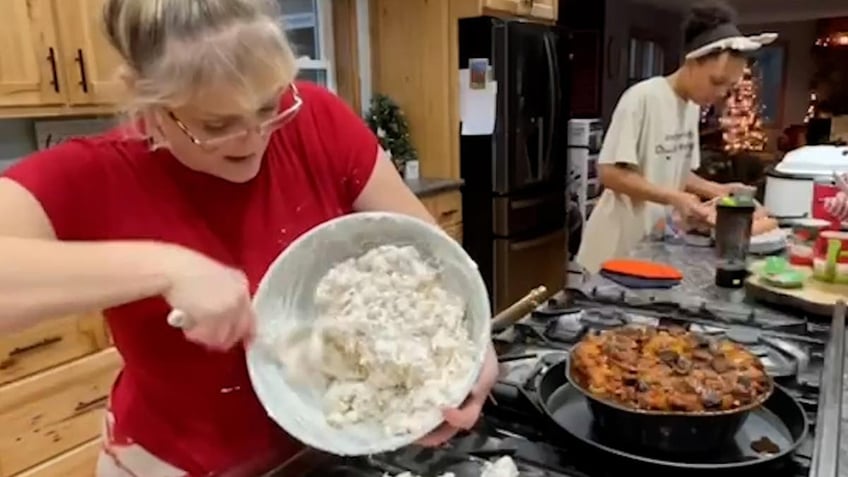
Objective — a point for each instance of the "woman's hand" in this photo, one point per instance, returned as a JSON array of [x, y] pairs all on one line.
[[215, 299], [466, 416]]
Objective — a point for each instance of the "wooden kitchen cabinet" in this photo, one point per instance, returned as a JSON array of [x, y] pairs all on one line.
[[51, 67], [446, 208], [50, 343], [545, 9], [55, 379], [537, 9], [30, 49], [44, 416], [77, 462], [90, 60]]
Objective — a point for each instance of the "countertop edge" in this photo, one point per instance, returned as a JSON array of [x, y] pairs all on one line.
[[425, 187]]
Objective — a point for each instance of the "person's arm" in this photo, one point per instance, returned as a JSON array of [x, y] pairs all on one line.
[[386, 191], [361, 172], [704, 188], [628, 181], [42, 277]]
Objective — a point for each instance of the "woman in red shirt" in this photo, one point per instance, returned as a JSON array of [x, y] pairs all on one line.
[[228, 160]]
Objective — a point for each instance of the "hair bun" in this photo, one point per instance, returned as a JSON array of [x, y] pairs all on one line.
[[706, 15]]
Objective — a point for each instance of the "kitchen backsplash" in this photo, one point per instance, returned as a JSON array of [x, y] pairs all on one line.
[[19, 137]]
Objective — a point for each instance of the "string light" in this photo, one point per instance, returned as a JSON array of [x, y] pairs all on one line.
[[811, 109], [741, 119], [834, 40]]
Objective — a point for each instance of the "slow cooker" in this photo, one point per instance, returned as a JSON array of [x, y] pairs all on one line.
[[802, 179]]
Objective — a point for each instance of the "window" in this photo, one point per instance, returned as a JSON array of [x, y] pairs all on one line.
[[309, 24], [769, 63], [647, 60]]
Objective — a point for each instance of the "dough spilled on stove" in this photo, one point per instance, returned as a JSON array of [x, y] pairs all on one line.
[[391, 343], [503, 467], [410, 474]]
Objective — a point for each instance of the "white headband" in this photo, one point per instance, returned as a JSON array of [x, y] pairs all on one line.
[[726, 37]]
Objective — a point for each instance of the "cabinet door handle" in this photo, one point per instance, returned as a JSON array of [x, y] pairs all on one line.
[[43, 343], [12, 357], [83, 78], [51, 57], [96, 403]]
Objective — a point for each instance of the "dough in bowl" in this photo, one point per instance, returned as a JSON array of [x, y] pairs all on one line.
[[391, 340], [312, 388]]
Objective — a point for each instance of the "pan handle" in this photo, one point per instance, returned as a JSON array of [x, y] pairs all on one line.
[[519, 309]]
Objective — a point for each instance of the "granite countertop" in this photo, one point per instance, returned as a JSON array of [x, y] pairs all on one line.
[[698, 269], [424, 187]]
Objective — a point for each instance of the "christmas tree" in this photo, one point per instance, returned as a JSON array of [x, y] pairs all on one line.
[[388, 122], [741, 119]]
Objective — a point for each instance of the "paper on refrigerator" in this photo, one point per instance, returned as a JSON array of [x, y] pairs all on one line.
[[477, 107]]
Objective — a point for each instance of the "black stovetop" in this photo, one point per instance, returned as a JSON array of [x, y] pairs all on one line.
[[794, 352]]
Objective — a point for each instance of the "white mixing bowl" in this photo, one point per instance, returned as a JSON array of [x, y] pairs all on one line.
[[286, 292]]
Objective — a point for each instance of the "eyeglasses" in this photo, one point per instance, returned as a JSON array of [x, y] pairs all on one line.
[[263, 128]]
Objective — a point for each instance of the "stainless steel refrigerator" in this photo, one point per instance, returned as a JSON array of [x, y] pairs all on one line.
[[514, 211]]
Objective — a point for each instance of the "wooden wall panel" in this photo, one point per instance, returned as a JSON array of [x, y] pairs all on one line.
[[346, 49]]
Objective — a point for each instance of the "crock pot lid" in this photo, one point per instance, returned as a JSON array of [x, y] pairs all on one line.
[[815, 161]]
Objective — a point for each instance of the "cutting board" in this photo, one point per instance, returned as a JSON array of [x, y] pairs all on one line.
[[815, 297]]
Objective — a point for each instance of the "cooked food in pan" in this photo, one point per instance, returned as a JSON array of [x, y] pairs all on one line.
[[668, 370]]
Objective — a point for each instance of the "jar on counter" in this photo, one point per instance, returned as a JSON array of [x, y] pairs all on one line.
[[802, 243], [830, 260]]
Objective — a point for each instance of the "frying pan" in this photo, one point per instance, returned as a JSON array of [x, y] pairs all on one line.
[[666, 431], [766, 434]]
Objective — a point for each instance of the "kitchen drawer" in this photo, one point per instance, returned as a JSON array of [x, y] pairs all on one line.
[[446, 208], [78, 462], [48, 414], [49, 344], [455, 231]]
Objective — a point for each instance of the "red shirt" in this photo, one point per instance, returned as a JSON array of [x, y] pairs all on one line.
[[188, 406]]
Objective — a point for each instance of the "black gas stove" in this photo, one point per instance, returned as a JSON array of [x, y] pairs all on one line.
[[803, 356]]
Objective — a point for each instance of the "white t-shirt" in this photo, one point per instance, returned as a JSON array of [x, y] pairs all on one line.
[[656, 132]]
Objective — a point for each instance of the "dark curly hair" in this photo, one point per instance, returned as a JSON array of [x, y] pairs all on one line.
[[705, 16]]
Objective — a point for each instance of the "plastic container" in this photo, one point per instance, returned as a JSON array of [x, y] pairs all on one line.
[[805, 234], [830, 261]]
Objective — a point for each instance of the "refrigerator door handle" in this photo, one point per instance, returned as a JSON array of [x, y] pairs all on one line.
[[541, 163], [553, 103]]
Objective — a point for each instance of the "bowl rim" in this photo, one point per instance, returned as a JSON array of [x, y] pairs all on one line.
[[255, 349], [569, 370]]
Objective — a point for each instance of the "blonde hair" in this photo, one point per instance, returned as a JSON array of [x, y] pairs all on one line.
[[174, 48]]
